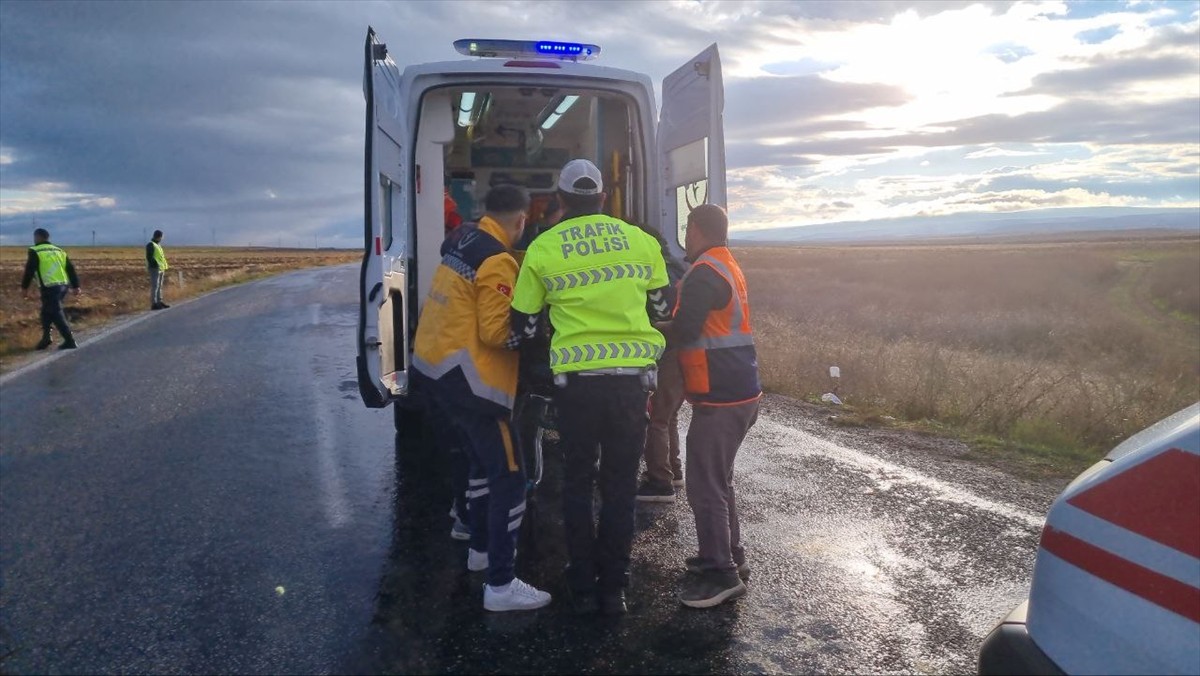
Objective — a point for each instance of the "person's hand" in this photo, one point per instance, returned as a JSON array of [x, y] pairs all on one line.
[[77, 291], [26, 294]]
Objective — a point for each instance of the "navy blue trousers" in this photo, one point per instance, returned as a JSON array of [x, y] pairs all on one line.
[[495, 487]]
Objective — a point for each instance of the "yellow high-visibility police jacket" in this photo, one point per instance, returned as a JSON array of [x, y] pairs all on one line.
[[463, 329]]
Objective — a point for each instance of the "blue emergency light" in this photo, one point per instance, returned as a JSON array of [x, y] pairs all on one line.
[[572, 51]]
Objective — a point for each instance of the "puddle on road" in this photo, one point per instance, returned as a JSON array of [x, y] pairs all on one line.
[[874, 564], [887, 475]]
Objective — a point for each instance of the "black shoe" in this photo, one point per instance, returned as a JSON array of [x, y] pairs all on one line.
[[42, 344], [68, 345], [612, 603], [156, 306], [582, 603], [695, 564], [710, 588], [653, 492], [163, 306], [677, 480]]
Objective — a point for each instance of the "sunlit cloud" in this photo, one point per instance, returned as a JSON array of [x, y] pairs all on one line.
[[48, 197]]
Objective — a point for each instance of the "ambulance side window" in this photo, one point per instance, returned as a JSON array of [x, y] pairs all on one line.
[[385, 211], [689, 175]]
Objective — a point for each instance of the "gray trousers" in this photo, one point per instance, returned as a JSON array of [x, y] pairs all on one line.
[[713, 439], [156, 282]]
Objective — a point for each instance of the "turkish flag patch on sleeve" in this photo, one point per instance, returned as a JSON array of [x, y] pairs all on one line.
[[504, 289]]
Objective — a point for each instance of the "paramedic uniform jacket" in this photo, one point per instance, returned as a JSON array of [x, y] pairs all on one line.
[[464, 326]]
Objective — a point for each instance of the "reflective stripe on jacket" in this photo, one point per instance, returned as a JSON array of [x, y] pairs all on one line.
[[594, 272], [721, 366], [461, 335], [52, 265]]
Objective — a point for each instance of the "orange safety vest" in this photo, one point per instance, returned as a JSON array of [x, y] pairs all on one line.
[[721, 366]]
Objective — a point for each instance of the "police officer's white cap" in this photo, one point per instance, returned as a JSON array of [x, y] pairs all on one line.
[[580, 177]]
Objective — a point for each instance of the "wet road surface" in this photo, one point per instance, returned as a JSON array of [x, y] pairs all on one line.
[[159, 485]]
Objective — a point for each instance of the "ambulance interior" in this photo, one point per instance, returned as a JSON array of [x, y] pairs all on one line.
[[472, 138]]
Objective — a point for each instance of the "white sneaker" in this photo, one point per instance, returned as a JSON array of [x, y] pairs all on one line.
[[517, 596], [476, 561], [460, 531]]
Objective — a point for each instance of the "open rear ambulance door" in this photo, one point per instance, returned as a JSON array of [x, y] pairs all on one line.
[[691, 142], [383, 354]]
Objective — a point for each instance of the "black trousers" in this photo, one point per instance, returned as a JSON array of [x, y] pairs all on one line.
[[600, 418], [52, 311]]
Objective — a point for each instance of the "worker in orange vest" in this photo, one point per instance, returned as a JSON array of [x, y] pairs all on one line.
[[711, 329]]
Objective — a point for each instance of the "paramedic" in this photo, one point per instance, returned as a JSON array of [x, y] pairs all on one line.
[[54, 273], [460, 358], [711, 330], [603, 281]]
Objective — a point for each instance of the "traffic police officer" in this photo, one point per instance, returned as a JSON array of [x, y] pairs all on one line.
[[603, 280], [462, 358], [54, 273]]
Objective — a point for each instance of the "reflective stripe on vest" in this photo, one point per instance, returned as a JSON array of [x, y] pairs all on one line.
[[605, 273], [739, 327], [594, 351], [52, 265]]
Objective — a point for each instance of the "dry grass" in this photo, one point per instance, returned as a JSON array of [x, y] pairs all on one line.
[[114, 282], [1062, 349]]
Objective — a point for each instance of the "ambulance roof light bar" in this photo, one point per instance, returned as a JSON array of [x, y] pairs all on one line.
[[567, 51]]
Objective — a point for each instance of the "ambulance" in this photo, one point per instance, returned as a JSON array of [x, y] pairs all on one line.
[[439, 135], [1116, 582]]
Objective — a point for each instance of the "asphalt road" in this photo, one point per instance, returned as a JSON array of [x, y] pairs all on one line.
[[203, 491]]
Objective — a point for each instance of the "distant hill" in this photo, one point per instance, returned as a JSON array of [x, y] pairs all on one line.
[[984, 224]]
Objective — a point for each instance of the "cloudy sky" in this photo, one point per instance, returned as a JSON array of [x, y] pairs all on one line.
[[242, 122]]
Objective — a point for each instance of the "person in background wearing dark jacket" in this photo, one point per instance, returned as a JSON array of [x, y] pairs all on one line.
[[156, 263], [711, 330], [54, 273], [664, 471]]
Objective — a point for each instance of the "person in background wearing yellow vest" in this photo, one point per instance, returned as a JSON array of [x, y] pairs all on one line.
[[54, 273], [603, 280], [462, 359], [711, 330], [156, 262]]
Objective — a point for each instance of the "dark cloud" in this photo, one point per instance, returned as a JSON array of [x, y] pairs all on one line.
[[1111, 74], [793, 105], [1149, 187], [1077, 121]]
